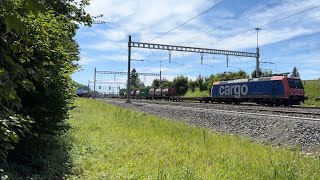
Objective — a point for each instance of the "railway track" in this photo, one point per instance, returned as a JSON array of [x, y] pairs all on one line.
[[293, 112]]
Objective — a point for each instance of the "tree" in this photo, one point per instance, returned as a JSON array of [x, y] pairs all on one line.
[[166, 83], [37, 52], [121, 92], [295, 72], [225, 76], [135, 82], [181, 84], [155, 83], [253, 74], [267, 73], [262, 73], [192, 85], [200, 83]]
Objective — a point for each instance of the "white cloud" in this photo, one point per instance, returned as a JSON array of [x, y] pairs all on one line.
[[145, 20], [102, 46]]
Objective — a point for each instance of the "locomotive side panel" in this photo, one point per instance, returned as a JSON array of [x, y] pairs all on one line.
[[253, 89], [261, 91]]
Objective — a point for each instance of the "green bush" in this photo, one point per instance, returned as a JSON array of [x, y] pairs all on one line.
[[37, 51]]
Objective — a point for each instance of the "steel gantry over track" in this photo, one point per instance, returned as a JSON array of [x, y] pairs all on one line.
[[185, 49], [114, 73]]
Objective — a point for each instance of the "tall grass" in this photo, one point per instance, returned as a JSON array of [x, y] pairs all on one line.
[[196, 93], [312, 90], [115, 143]]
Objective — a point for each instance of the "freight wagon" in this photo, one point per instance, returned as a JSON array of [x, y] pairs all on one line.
[[143, 94]]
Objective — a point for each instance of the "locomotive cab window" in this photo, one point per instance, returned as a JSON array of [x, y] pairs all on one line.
[[295, 83]]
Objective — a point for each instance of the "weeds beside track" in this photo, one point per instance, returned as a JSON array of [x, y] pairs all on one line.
[[111, 142]]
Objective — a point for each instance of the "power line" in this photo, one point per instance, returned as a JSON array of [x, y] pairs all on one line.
[[307, 19], [291, 15], [272, 44], [245, 16], [300, 12], [304, 58], [215, 5], [265, 25]]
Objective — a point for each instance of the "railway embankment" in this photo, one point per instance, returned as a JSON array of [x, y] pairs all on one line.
[[110, 142], [276, 129]]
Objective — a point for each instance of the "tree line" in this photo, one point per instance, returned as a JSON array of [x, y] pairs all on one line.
[[183, 83]]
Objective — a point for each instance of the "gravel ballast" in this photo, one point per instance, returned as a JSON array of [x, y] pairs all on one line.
[[274, 130]]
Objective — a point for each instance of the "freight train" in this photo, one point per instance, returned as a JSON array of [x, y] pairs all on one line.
[[274, 90], [160, 93]]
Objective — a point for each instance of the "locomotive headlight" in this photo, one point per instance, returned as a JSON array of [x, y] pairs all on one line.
[[291, 93], [302, 94]]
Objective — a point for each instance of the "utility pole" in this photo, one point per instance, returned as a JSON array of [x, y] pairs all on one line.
[[129, 59], [160, 74], [258, 54], [94, 83]]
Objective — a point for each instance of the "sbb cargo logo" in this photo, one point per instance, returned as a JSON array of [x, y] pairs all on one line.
[[236, 90]]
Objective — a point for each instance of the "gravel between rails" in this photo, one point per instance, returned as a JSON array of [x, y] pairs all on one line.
[[251, 108], [274, 130]]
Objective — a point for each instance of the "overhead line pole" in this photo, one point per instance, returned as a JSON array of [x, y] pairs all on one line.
[[115, 73], [94, 83], [129, 62], [258, 55], [160, 75]]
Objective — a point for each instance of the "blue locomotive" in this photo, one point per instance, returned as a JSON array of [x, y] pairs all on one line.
[[275, 90]]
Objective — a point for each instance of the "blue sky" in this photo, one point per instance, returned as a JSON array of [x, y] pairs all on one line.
[[286, 42]]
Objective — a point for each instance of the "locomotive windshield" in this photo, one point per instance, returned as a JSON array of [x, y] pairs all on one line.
[[295, 83]]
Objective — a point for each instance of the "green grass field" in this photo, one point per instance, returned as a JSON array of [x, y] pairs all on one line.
[[196, 93], [312, 90], [113, 143]]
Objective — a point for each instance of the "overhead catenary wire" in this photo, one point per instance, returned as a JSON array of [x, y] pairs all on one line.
[[208, 11], [260, 26], [287, 40], [212, 7], [300, 12], [268, 31], [282, 19], [217, 27]]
